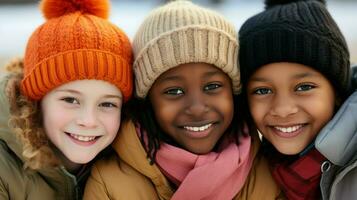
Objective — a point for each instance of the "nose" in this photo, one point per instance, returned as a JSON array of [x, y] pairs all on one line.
[[87, 118], [283, 106], [196, 105]]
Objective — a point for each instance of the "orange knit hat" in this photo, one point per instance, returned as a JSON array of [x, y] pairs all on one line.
[[76, 42]]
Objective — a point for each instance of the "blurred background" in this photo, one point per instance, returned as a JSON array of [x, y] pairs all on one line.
[[19, 18]]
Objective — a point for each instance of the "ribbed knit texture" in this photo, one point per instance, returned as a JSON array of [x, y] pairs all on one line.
[[75, 46], [300, 32], [179, 33]]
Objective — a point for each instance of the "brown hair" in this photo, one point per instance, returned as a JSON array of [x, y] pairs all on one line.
[[26, 122]]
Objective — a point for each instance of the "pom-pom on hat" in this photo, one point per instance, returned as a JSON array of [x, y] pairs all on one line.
[[181, 32], [76, 42], [300, 31]]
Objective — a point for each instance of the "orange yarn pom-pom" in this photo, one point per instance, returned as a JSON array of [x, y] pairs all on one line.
[[57, 8]]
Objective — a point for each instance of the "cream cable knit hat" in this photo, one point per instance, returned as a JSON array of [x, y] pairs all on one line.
[[179, 33]]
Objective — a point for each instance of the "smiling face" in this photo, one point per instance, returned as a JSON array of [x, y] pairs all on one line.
[[81, 118], [193, 104], [290, 103]]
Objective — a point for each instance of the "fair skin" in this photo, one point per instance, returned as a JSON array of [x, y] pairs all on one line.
[[81, 118], [290, 103], [193, 104]]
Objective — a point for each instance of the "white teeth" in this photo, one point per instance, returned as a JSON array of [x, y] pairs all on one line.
[[196, 129], [83, 138], [288, 129]]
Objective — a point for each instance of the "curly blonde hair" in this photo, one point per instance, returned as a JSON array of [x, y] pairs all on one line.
[[26, 122]]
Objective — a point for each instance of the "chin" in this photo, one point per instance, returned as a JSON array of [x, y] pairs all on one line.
[[200, 151], [81, 159], [289, 151]]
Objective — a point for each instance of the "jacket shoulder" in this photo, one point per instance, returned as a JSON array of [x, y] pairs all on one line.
[[9, 162], [113, 178], [4, 102], [11, 171], [345, 182], [20, 183], [260, 183]]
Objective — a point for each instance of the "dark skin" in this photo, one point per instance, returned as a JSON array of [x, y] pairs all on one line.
[[193, 104]]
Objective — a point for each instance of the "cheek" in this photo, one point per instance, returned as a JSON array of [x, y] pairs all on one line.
[[257, 110], [226, 105], [165, 113], [321, 110], [111, 122], [55, 118]]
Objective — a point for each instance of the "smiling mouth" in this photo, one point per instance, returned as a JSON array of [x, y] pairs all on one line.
[[82, 138], [289, 129], [198, 128]]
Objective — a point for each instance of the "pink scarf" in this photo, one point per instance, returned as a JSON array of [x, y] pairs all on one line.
[[211, 176]]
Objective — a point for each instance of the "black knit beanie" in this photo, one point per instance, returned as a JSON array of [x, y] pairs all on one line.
[[300, 31]]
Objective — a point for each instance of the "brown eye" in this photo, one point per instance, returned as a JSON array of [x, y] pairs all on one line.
[[108, 105], [174, 91], [70, 100], [262, 91], [305, 87], [212, 86]]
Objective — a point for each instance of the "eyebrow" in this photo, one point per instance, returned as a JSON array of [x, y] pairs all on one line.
[[211, 73], [178, 78], [79, 93], [303, 75], [112, 96], [296, 76], [170, 78], [69, 90]]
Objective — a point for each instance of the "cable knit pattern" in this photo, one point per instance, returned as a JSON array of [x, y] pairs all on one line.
[[77, 45], [179, 33], [301, 31]]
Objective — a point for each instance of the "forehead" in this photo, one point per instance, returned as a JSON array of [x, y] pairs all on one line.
[[87, 87], [190, 70], [284, 71]]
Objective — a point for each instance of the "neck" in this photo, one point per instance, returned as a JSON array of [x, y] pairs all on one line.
[[307, 149], [70, 166]]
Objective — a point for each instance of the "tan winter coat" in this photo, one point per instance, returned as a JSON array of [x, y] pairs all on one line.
[[128, 175]]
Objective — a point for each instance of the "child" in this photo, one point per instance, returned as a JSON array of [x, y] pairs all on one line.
[[62, 106], [296, 74], [183, 140]]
